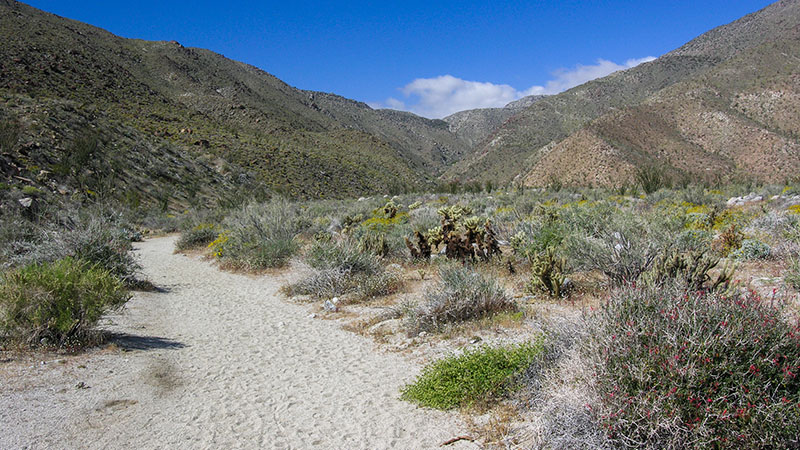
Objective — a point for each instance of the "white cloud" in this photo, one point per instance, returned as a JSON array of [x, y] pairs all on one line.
[[441, 96]]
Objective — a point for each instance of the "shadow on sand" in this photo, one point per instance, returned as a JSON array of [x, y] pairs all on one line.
[[134, 342]]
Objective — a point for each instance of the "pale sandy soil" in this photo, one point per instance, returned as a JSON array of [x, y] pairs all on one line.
[[220, 360]]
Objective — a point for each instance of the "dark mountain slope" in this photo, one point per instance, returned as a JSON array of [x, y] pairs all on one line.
[[208, 108]]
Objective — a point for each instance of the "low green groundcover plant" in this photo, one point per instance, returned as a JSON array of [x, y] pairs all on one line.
[[678, 368], [480, 375], [56, 303]]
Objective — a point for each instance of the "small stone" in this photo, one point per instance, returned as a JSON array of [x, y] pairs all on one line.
[[329, 306], [394, 267], [312, 316], [391, 326], [422, 334]]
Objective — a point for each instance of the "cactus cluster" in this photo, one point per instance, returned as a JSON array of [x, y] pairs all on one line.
[[464, 237], [548, 273], [691, 267]]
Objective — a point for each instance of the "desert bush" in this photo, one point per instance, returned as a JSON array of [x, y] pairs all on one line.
[[329, 283], [623, 255], [556, 390], [16, 235], [651, 179], [377, 285], [198, 236], [56, 303], [684, 369], [100, 238], [10, 131], [342, 256], [105, 242], [325, 283], [792, 275], [342, 268], [752, 249], [258, 235], [535, 236], [462, 294], [478, 376]]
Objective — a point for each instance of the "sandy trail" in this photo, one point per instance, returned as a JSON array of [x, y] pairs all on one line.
[[218, 361]]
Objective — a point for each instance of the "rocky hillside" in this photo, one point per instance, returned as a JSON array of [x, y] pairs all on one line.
[[723, 106], [474, 125], [220, 120]]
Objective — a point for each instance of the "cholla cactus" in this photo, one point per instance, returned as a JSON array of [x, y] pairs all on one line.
[[472, 224], [691, 267], [351, 222], [390, 209], [548, 273], [435, 236]]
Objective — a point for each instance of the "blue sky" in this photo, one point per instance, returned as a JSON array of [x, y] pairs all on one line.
[[433, 57]]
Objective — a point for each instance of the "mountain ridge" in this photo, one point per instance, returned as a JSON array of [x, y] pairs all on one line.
[[527, 137], [209, 107]]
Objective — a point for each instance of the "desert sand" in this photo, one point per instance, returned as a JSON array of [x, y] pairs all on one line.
[[217, 360]]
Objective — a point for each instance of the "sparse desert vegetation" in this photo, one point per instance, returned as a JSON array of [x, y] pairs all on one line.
[[663, 299], [683, 272], [616, 265]]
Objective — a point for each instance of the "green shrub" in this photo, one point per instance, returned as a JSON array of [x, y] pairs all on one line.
[[198, 236], [56, 303], [752, 249], [651, 179], [683, 369], [462, 294], [477, 376]]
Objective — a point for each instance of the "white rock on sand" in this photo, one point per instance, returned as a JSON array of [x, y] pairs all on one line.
[[218, 361]]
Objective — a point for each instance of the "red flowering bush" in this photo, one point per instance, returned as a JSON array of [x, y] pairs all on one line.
[[680, 369]]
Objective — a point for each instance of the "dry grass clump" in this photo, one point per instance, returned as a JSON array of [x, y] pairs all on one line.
[[198, 236], [342, 268], [100, 238], [258, 236], [462, 294]]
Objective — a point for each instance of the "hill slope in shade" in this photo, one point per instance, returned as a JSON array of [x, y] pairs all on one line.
[[721, 106], [474, 125], [206, 108]]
